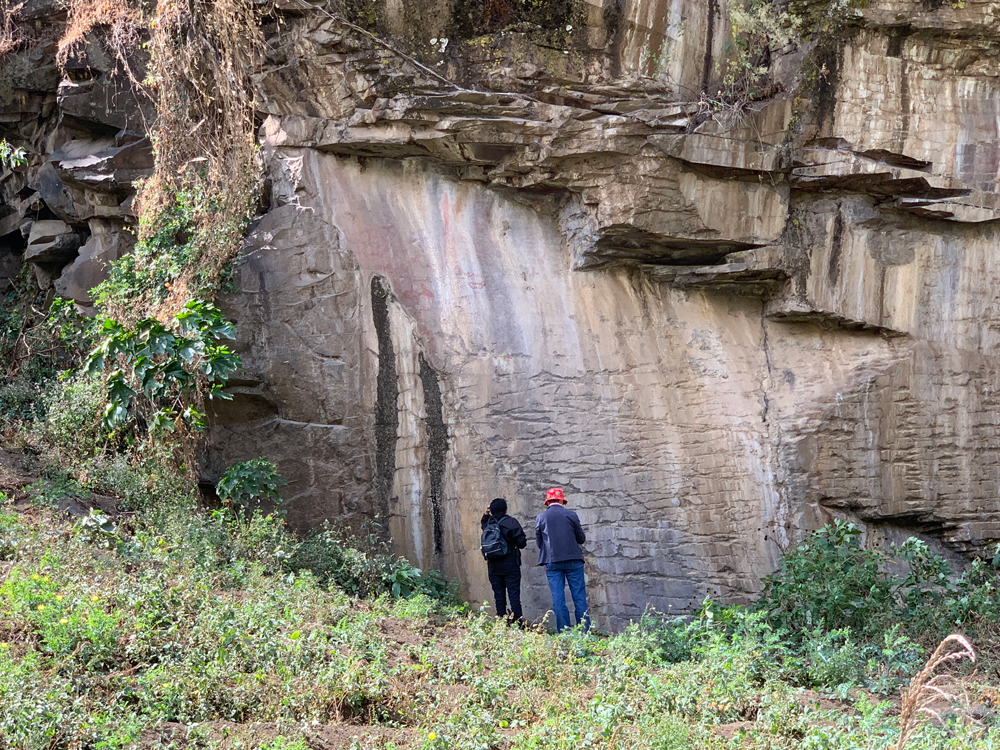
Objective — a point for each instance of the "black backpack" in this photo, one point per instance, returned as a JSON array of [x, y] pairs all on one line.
[[492, 543]]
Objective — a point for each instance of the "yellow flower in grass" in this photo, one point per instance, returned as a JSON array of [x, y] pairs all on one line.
[[432, 736], [36, 577], [63, 621], [59, 597], [95, 598], [40, 607], [4, 645]]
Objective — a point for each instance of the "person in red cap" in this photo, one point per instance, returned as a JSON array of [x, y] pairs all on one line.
[[559, 535]]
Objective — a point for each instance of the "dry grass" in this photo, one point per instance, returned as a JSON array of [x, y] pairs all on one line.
[[204, 53], [122, 20], [928, 688], [11, 34]]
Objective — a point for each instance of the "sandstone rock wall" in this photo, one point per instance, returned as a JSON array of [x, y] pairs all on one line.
[[507, 253]]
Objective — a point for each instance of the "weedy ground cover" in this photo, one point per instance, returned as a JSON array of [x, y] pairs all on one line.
[[182, 628]]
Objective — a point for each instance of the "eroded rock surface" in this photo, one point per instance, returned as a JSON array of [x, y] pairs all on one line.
[[84, 127], [505, 253]]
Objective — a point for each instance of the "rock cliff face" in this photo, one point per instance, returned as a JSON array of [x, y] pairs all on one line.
[[514, 245]]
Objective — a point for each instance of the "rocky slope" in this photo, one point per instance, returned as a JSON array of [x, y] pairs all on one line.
[[510, 246]]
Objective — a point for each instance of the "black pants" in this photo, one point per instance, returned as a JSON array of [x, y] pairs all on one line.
[[507, 585]]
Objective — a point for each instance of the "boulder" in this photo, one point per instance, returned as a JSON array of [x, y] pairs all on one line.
[[109, 240], [104, 164], [51, 241], [96, 88]]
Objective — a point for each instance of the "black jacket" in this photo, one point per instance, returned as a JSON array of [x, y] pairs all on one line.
[[516, 541]]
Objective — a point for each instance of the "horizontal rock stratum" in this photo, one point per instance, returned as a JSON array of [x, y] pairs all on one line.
[[553, 245]]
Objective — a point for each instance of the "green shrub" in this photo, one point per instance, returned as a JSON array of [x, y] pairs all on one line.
[[35, 345], [668, 640], [73, 409], [157, 259], [157, 372], [283, 743], [832, 583], [831, 658], [21, 398], [140, 480], [11, 533], [176, 244], [198, 621], [829, 581], [249, 485], [58, 486], [891, 662], [364, 567], [98, 529]]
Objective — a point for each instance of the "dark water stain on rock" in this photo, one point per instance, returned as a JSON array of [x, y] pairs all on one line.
[[387, 395], [437, 444], [836, 242]]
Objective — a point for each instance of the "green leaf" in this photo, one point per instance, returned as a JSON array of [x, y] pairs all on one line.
[[163, 421], [119, 392], [114, 415], [95, 365], [216, 392], [195, 418], [187, 352]]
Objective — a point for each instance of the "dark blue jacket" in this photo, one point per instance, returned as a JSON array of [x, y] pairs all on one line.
[[559, 535]]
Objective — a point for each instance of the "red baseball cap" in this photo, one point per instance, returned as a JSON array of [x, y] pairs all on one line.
[[554, 495]]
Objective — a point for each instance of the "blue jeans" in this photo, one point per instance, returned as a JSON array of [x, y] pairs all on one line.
[[559, 574]]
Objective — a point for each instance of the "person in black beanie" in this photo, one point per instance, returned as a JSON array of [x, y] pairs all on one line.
[[505, 571]]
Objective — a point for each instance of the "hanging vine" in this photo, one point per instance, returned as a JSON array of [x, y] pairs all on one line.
[[192, 210]]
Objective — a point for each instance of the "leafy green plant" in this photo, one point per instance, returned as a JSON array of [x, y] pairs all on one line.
[[168, 366], [57, 487], [11, 156], [21, 398], [758, 29], [201, 630], [161, 255], [98, 529], [829, 581], [73, 410], [10, 534], [247, 485], [831, 658], [758, 26], [404, 580], [71, 331], [826, 15], [365, 566], [178, 248], [832, 582], [36, 344]]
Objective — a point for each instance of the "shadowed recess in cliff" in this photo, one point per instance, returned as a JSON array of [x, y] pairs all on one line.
[[437, 444], [706, 71], [386, 396]]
